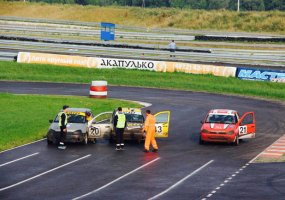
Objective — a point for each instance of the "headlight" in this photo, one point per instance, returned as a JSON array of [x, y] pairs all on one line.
[[205, 131], [231, 132]]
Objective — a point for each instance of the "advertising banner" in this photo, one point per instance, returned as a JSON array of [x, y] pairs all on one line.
[[108, 63], [261, 75], [55, 59]]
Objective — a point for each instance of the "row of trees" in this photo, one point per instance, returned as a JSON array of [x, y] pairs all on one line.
[[246, 5]]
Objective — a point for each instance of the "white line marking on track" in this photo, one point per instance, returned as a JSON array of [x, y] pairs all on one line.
[[277, 150], [181, 181], [41, 174], [227, 180], [274, 154], [23, 145], [110, 183], [7, 163]]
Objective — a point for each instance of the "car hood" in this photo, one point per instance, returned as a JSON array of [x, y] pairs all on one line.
[[71, 127]]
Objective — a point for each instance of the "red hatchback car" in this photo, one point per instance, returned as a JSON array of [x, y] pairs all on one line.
[[224, 125]]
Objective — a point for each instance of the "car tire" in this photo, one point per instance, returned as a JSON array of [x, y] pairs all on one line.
[[201, 142], [85, 139], [49, 142], [111, 139]]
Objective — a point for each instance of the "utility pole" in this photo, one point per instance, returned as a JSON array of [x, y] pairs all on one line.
[[238, 5], [143, 3]]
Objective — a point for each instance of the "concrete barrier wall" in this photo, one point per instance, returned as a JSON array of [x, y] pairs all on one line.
[[108, 63]]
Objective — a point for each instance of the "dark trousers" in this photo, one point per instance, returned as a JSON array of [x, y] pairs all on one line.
[[119, 136], [62, 135]]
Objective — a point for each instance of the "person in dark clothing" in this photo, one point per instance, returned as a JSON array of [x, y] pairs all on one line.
[[120, 123], [62, 122]]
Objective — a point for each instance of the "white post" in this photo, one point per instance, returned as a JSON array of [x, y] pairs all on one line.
[[238, 5]]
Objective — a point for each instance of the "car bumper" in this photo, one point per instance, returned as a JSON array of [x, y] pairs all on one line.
[[74, 138], [69, 137], [218, 137], [131, 136]]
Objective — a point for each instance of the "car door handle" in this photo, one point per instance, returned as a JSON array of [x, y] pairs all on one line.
[[107, 126]]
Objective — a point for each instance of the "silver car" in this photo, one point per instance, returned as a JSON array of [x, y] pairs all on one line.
[[77, 127]]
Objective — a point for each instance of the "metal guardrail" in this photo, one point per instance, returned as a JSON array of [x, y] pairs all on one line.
[[8, 56], [248, 57], [147, 29], [233, 58], [94, 32]]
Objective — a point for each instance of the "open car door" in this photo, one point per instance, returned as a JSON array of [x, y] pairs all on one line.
[[246, 126], [100, 126], [162, 124]]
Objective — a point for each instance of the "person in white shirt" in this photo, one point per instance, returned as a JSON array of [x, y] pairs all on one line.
[[172, 48]]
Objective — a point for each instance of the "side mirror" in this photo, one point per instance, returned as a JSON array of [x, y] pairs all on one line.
[[50, 121], [201, 122]]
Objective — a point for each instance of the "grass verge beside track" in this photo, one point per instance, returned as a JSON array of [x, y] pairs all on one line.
[[182, 81], [24, 118]]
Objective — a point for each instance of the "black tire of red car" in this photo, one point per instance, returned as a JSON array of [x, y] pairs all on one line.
[[85, 139], [201, 141], [236, 142]]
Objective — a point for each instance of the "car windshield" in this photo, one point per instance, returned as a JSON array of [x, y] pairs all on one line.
[[135, 118], [74, 118], [221, 119]]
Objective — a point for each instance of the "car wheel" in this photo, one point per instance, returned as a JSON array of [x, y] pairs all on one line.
[[201, 141], [85, 139], [49, 142], [236, 142], [111, 139]]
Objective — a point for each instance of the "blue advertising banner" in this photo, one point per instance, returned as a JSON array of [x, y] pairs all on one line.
[[260, 75]]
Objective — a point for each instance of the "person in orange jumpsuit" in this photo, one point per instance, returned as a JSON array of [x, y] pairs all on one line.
[[149, 128]]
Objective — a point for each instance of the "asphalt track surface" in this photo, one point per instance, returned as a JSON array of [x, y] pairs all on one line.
[[182, 169]]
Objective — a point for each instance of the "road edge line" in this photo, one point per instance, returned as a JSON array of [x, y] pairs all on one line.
[[181, 181], [117, 179], [7, 163], [43, 173], [22, 145]]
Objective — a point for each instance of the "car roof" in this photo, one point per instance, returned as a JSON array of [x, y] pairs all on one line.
[[223, 111], [137, 111], [78, 110]]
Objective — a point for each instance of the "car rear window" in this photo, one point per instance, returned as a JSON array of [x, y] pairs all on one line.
[[134, 118], [74, 118]]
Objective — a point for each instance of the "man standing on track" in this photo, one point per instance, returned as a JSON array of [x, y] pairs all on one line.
[[172, 48], [62, 122], [149, 128], [120, 123]]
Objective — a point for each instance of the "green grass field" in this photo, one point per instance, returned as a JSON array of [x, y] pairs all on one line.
[[25, 118], [269, 22], [205, 83]]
